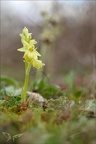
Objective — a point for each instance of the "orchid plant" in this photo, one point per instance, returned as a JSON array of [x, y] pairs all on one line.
[[30, 58]]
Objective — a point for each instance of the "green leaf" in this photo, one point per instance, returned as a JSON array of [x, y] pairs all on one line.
[[8, 80], [9, 90], [18, 92], [69, 79]]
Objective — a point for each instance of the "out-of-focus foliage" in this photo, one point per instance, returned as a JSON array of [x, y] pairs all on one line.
[[46, 89], [67, 115]]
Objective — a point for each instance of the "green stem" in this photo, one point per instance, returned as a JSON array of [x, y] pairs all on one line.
[[24, 89]]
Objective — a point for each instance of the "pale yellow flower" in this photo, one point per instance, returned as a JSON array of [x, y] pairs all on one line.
[[30, 53]]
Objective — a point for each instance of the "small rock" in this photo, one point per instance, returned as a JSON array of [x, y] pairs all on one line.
[[32, 96]]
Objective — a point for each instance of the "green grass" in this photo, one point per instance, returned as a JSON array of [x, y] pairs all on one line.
[[68, 115]]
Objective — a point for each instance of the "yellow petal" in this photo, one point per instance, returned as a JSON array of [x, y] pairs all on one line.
[[23, 49], [32, 42], [38, 64]]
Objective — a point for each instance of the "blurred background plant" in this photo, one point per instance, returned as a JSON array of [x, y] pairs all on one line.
[[50, 32], [71, 44]]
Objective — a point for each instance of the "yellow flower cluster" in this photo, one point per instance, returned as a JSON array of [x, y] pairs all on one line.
[[30, 53]]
